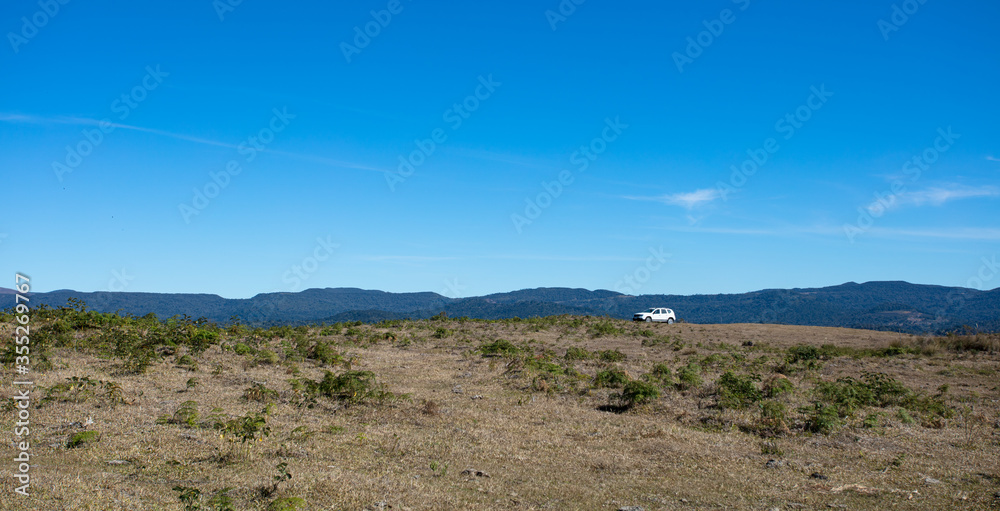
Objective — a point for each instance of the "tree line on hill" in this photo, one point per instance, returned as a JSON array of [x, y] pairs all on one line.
[[896, 306]]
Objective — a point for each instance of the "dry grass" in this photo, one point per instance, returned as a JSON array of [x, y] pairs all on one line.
[[538, 440]]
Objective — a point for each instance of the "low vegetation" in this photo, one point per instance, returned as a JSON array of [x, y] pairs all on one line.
[[559, 412]]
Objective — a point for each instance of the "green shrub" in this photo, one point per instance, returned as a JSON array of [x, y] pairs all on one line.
[[500, 348], [441, 333], [778, 386], [874, 389], [243, 349], [905, 416], [871, 420], [247, 429], [638, 393], [258, 392], [662, 371], [186, 415], [611, 356], [544, 366], [200, 340], [714, 360], [822, 418], [606, 327], [323, 352], [802, 353], [352, 387], [885, 389], [546, 382], [654, 340], [267, 357], [774, 416], [187, 362], [190, 497], [689, 376], [738, 391], [287, 504], [574, 353], [81, 389], [136, 352], [610, 378], [929, 406], [83, 438], [897, 349], [221, 501], [660, 375], [846, 394]]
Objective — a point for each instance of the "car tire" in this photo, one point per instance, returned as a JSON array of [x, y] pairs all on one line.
[[649, 319], [670, 321]]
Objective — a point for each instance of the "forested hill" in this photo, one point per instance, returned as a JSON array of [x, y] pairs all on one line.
[[899, 306]]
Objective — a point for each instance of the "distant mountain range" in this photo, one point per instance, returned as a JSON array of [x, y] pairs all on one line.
[[898, 306]]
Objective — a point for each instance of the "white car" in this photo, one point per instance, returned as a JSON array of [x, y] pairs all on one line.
[[659, 315]]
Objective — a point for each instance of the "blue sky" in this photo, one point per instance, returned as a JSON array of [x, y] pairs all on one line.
[[721, 146]]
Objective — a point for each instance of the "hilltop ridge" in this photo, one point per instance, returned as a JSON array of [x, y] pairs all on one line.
[[884, 305]]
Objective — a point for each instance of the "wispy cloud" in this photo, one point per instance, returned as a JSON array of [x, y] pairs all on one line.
[[521, 161], [957, 233], [405, 258], [992, 158], [688, 200], [764, 231], [938, 196], [83, 121], [562, 258]]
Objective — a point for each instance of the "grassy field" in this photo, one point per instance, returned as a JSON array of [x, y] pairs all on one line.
[[551, 413]]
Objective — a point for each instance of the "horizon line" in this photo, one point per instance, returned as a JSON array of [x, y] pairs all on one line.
[[5, 291]]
